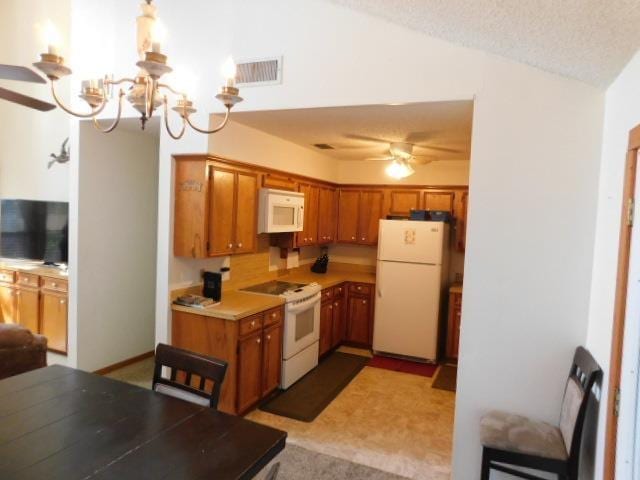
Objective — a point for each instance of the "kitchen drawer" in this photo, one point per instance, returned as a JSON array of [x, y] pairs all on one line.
[[361, 288], [7, 276], [273, 316], [338, 292], [28, 280], [250, 324], [327, 294], [50, 283]]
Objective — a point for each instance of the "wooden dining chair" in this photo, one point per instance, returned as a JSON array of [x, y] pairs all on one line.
[[510, 441], [187, 369]]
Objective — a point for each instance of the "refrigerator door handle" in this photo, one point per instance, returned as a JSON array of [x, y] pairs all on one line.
[[379, 280]]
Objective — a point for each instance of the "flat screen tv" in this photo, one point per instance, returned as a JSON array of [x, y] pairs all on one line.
[[34, 230]]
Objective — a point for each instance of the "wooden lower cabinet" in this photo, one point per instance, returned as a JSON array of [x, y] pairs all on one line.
[[249, 371], [326, 327], [453, 322], [346, 315], [53, 320], [7, 304], [28, 309], [252, 347], [359, 319], [271, 358]]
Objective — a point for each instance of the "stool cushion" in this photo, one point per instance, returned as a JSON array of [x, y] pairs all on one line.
[[515, 433]]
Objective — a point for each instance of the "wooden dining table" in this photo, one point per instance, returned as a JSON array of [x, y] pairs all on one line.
[[58, 423]]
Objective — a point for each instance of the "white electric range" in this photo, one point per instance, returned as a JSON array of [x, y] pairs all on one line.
[[301, 326]]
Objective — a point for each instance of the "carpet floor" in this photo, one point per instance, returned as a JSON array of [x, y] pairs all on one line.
[[297, 463]]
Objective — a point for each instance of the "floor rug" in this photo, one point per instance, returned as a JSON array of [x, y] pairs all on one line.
[[307, 398], [405, 366], [297, 463], [446, 379]]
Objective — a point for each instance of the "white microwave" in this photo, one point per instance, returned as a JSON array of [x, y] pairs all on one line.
[[280, 211]]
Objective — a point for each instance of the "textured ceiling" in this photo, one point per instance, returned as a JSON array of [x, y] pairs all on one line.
[[589, 40], [353, 131]]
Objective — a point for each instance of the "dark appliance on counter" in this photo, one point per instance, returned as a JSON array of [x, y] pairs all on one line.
[[430, 215], [321, 264], [212, 287]]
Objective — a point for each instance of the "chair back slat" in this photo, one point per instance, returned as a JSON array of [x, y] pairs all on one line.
[[190, 363], [583, 375]]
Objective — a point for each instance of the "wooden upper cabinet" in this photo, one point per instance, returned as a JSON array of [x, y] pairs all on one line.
[[309, 234], [348, 207], [327, 215], [403, 201], [279, 182], [190, 228], [439, 201], [246, 212], [221, 211], [370, 212]]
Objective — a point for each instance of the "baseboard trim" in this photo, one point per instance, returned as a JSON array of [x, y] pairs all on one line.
[[124, 363]]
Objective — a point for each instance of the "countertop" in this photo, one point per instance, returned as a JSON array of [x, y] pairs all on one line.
[[236, 304], [34, 268]]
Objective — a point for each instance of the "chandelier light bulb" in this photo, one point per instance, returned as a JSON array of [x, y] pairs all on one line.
[[158, 35], [228, 71], [51, 37]]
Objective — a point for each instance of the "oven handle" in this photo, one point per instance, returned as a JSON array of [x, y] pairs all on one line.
[[300, 307]]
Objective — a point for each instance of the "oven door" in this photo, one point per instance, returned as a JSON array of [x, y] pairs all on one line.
[[301, 325]]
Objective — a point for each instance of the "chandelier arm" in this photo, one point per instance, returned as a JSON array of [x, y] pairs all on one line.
[[94, 111], [115, 123], [118, 82], [171, 89], [166, 122], [216, 129]]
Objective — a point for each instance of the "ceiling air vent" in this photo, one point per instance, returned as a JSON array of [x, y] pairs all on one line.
[[265, 71], [323, 146]]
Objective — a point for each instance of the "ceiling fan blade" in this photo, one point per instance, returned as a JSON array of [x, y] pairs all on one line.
[[439, 149], [365, 138], [30, 102], [417, 137], [21, 74]]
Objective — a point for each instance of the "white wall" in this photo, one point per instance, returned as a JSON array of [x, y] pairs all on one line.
[[534, 168], [621, 115], [117, 233], [28, 136]]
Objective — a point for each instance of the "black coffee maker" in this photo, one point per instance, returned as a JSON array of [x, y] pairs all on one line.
[[212, 285]]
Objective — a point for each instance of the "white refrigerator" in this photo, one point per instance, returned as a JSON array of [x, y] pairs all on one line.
[[411, 275]]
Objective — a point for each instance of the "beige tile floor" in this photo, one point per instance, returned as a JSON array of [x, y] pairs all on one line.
[[387, 420]]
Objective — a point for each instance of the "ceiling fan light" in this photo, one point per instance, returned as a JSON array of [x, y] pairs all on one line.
[[399, 169]]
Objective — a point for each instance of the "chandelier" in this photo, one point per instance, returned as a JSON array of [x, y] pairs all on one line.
[[146, 91]]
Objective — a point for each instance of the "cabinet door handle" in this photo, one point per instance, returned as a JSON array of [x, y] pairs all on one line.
[[363, 239], [230, 245], [353, 238], [253, 323], [61, 302], [18, 294], [335, 304], [364, 302], [54, 284], [359, 288], [240, 245], [258, 340], [273, 315], [330, 307], [268, 337]]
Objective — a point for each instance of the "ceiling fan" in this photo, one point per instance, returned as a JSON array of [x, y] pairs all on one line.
[[22, 74]]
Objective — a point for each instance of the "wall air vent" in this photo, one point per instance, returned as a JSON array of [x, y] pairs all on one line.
[[323, 146], [264, 71]]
